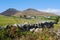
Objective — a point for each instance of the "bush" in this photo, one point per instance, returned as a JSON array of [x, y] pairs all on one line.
[[17, 34]]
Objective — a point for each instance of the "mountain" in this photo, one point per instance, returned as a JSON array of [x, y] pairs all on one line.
[[10, 12], [30, 11]]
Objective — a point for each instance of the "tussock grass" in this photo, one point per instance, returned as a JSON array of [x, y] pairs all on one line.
[[17, 34]]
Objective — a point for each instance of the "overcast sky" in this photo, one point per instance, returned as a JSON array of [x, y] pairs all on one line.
[[44, 5]]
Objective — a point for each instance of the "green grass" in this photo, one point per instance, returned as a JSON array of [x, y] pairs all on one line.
[[44, 35], [4, 20]]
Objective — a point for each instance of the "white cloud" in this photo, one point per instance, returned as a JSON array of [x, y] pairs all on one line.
[[56, 11]]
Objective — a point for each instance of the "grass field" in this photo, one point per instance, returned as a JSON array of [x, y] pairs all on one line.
[[18, 34], [4, 20]]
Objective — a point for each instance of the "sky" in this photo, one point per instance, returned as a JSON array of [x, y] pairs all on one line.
[[44, 5]]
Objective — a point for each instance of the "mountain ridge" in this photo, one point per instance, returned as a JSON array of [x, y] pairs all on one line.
[[29, 11]]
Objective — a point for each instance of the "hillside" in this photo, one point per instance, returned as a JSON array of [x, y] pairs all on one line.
[[9, 12], [35, 12], [30, 11], [4, 20]]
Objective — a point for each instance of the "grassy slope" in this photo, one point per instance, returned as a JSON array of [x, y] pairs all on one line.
[[6, 20], [12, 20]]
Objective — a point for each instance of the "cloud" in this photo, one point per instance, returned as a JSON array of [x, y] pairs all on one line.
[[56, 11]]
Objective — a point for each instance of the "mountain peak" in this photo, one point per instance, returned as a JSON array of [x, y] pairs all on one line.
[[11, 9], [31, 9], [9, 12]]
